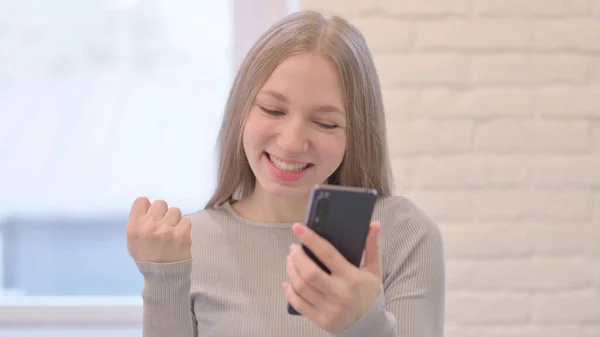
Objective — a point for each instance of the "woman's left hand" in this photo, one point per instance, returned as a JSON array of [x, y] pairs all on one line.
[[334, 302]]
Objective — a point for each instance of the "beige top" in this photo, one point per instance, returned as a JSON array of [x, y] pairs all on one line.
[[232, 285]]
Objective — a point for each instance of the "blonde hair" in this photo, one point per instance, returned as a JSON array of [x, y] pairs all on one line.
[[366, 161]]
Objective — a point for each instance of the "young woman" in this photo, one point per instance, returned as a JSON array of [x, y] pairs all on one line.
[[305, 109]]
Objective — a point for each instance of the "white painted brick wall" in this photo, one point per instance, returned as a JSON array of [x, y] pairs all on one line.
[[494, 117]]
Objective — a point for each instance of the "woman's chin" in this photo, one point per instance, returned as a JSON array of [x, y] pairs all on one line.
[[285, 190]]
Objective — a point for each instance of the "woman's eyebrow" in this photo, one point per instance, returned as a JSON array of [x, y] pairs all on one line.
[[321, 108]]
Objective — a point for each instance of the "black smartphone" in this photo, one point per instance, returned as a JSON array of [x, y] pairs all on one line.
[[341, 215]]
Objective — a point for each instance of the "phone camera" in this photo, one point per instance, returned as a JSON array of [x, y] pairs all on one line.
[[322, 210]]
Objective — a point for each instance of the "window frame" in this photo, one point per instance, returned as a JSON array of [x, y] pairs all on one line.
[[117, 311]]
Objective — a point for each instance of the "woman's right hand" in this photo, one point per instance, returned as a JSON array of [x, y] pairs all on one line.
[[157, 233]]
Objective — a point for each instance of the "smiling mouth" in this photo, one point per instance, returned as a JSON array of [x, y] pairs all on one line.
[[285, 166]]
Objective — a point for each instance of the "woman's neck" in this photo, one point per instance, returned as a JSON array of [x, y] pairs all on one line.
[[262, 207]]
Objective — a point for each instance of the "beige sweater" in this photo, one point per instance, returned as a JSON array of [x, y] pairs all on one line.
[[232, 285]]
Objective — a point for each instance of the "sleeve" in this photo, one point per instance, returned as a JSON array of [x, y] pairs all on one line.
[[415, 288], [166, 299], [413, 300]]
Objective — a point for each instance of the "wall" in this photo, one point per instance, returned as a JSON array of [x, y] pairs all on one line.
[[493, 109]]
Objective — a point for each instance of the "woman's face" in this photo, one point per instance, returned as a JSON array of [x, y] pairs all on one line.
[[295, 132]]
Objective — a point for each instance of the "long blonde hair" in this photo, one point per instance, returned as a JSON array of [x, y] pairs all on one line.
[[366, 161]]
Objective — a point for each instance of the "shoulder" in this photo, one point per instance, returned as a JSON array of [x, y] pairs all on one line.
[[209, 219], [400, 215], [202, 215], [409, 234]]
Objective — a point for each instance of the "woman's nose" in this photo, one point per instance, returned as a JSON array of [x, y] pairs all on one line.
[[292, 138]]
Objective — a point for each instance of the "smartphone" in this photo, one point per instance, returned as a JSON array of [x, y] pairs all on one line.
[[341, 215]]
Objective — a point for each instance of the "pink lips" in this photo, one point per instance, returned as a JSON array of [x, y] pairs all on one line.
[[285, 175]]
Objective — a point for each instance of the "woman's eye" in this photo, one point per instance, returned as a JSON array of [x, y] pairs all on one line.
[[272, 112], [277, 113], [327, 126]]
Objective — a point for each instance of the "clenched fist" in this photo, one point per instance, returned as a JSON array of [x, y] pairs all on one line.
[[157, 233]]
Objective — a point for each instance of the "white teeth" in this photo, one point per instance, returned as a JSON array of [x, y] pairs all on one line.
[[287, 166]]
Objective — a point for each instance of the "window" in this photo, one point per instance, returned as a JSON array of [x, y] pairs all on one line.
[[100, 102]]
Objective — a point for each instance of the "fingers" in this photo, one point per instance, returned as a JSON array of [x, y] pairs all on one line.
[[299, 303], [183, 229], [157, 233], [304, 288], [307, 271], [157, 210], [139, 208], [172, 216], [372, 255], [154, 214], [324, 250]]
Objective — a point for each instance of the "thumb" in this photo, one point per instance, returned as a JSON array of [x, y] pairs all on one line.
[[372, 258]]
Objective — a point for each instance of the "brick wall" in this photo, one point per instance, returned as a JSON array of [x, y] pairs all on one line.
[[494, 118]]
